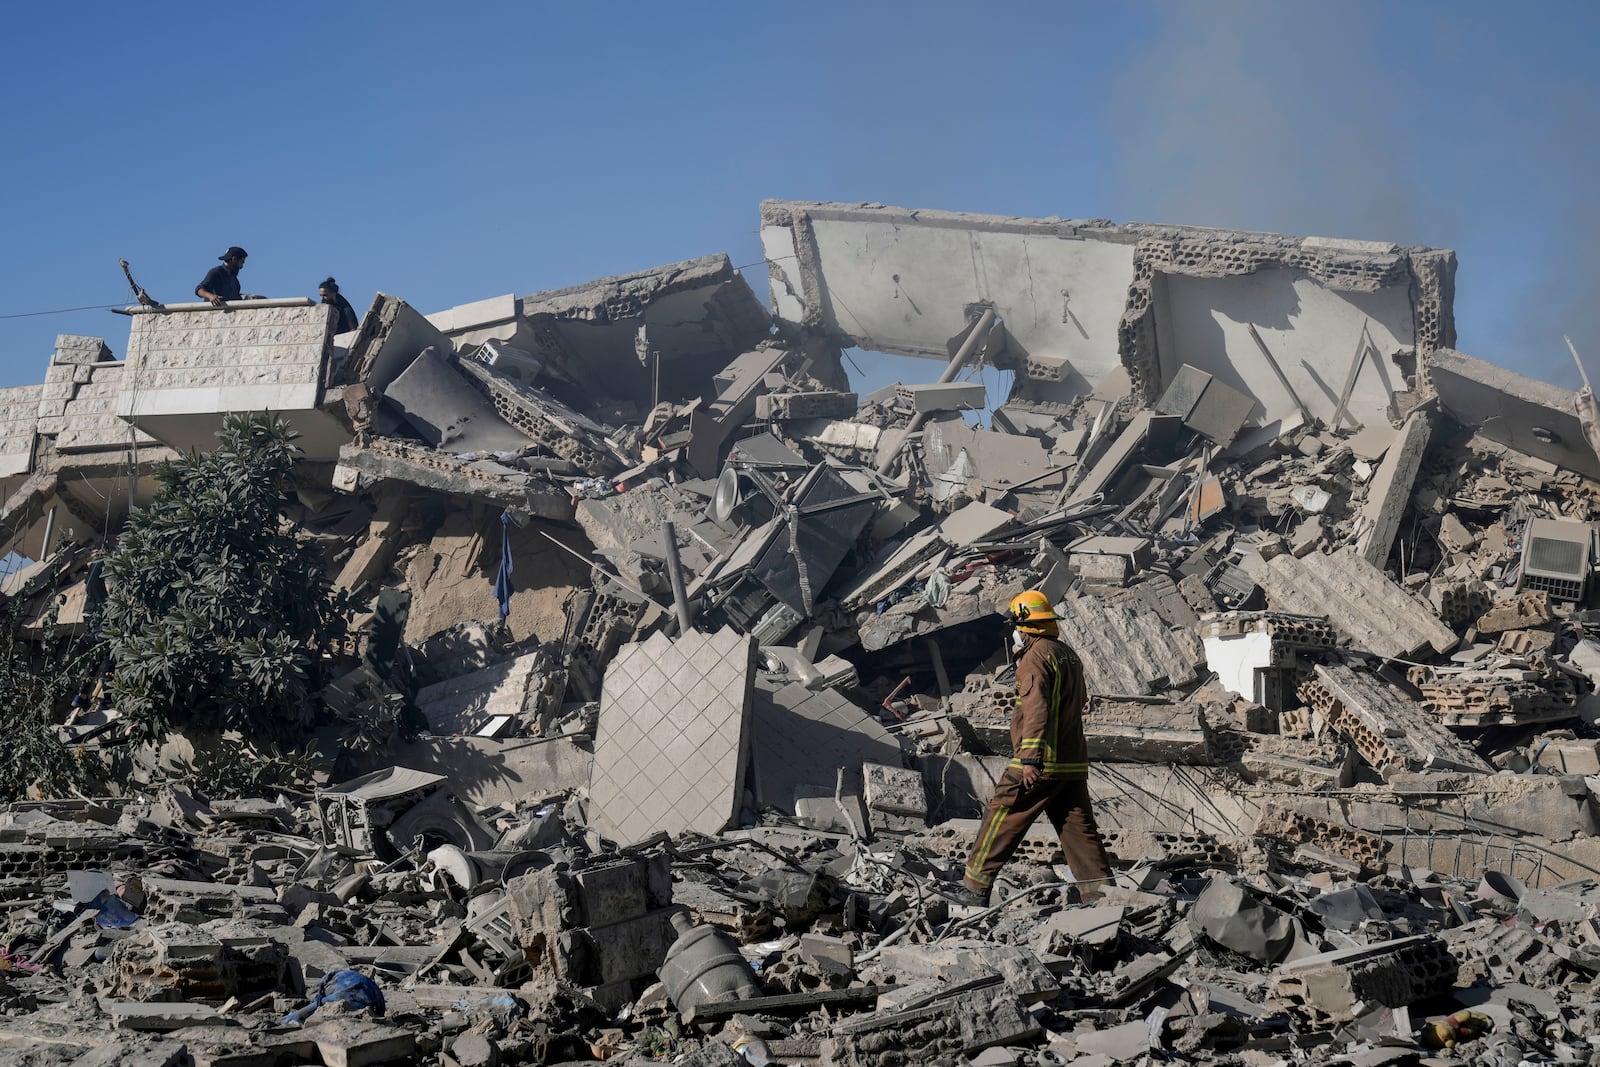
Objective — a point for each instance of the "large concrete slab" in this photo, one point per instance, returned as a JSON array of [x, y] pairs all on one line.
[[443, 407], [392, 334], [484, 771], [389, 459], [804, 738], [465, 704], [671, 747], [1389, 728], [542, 418], [966, 459], [1310, 328], [1127, 653], [1357, 598]]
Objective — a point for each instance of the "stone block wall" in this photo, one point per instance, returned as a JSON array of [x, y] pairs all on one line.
[[90, 420], [246, 347], [19, 413]]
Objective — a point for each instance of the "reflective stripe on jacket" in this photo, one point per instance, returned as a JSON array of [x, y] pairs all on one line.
[[1047, 725]]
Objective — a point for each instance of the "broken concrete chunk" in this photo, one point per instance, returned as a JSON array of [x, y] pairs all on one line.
[[1117, 1044], [945, 396], [1145, 731], [1240, 646], [1384, 724], [1516, 613], [895, 796], [361, 1044], [1233, 918], [793, 407], [959, 962], [1571, 757], [1095, 927], [947, 1027], [1337, 985], [1364, 850]]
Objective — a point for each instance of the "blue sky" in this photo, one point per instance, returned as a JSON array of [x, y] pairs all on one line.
[[447, 153]]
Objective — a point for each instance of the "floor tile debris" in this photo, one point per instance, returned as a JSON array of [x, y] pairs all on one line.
[[678, 679]]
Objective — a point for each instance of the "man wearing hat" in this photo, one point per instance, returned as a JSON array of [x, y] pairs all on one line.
[[1049, 770], [221, 284]]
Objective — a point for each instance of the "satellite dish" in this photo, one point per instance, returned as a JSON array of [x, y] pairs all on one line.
[[725, 498]]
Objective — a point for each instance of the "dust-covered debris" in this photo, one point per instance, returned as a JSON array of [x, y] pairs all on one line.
[[676, 678]]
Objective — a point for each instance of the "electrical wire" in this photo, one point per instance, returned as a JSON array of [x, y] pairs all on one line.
[[63, 311]]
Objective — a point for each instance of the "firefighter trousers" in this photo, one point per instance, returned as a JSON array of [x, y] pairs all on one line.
[[1012, 811]]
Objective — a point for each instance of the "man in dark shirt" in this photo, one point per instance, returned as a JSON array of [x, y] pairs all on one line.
[[345, 318], [221, 284]]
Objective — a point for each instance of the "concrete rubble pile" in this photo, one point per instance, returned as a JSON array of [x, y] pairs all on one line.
[[681, 682]]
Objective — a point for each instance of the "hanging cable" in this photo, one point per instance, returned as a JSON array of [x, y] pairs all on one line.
[[62, 311]]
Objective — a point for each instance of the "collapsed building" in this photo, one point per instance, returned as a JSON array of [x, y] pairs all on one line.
[[1329, 577]]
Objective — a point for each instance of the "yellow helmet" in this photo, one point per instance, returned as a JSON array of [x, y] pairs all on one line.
[[1030, 610]]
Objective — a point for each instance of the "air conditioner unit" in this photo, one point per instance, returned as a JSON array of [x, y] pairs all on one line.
[[1556, 558]]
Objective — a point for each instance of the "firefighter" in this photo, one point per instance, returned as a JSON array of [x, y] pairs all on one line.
[[1049, 770]]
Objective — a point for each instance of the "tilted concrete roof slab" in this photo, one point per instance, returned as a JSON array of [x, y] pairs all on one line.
[[1080, 298], [1533, 417], [901, 281], [693, 316]]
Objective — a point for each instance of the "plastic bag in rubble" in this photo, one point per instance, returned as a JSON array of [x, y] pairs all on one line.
[[114, 912], [352, 989], [592, 488], [496, 1016]]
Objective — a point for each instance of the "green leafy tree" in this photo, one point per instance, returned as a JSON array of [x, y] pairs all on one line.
[[38, 676], [217, 612]]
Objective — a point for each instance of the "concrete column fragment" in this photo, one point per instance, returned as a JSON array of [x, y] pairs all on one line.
[[1390, 492]]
